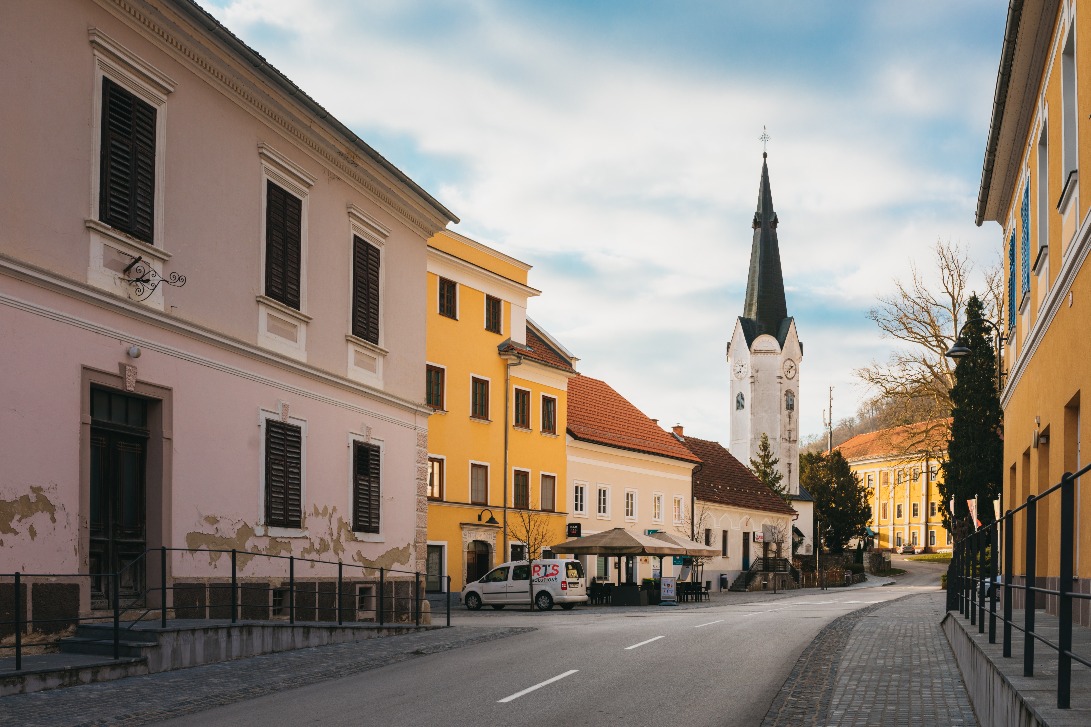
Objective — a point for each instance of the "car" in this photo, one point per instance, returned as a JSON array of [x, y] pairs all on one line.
[[907, 549], [556, 581]]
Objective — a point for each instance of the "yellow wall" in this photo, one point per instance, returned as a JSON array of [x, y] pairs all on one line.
[[899, 481], [466, 349]]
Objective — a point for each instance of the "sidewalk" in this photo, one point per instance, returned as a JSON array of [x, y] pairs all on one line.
[[886, 664]]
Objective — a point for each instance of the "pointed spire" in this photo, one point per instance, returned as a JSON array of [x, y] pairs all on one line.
[[765, 306]]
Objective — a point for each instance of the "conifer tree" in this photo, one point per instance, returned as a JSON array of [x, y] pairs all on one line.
[[765, 468], [975, 451], [840, 499]]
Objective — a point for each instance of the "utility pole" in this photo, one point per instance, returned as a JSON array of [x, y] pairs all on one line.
[[827, 419]]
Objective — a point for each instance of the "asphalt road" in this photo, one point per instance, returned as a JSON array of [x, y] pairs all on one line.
[[710, 666]]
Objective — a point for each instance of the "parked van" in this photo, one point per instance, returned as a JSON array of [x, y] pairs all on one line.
[[556, 580]]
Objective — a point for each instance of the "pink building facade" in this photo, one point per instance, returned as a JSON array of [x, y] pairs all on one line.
[[273, 402]]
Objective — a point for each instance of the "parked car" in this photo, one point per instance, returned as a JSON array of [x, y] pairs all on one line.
[[556, 580], [907, 549]]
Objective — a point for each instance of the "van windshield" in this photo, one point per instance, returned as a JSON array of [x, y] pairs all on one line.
[[573, 570]]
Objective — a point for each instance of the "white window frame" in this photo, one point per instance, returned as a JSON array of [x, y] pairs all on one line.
[[470, 481], [530, 487], [485, 312], [488, 414], [555, 503], [439, 294], [556, 416], [442, 477], [442, 545], [679, 509], [530, 409], [443, 408], [915, 510], [365, 438], [579, 499], [630, 516], [600, 501], [657, 507], [931, 538], [373, 232], [281, 415]]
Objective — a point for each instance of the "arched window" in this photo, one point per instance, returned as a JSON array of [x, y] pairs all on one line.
[[740, 401], [789, 401]]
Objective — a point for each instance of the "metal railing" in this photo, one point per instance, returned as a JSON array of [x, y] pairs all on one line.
[[282, 602], [973, 587]]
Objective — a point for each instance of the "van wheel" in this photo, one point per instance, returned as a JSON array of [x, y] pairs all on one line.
[[543, 601], [497, 606], [473, 601], [568, 606]]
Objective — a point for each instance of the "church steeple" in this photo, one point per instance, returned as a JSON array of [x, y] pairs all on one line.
[[765, 310]]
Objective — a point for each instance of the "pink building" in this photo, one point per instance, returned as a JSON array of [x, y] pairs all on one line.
[[274, 401]]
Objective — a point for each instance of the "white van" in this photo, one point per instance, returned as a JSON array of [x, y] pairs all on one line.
[[556, 580]]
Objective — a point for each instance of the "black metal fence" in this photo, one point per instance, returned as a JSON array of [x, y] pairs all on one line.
[[973, 585], [382, 595]]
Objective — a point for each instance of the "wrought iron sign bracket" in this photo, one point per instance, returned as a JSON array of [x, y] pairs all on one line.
[[145, 279]]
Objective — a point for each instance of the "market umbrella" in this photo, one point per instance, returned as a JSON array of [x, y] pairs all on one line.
[[693, 549], [618, 541]]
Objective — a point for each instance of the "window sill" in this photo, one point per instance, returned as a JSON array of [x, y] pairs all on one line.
[[480, 420], [283, 309], [368, 537], [600, 516], [438, 410], [518, 428], [135, 247], [549, 434], [576, 513], [281, 328], [1039, 261], [365, 361], [451, 317], [274, 531]]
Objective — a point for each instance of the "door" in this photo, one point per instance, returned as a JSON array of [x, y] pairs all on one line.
[[494, 585], [519, 585], [434, 582], [746, 551], [478, 561], [117, 523]]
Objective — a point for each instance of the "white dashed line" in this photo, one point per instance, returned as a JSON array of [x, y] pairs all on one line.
[[708, 624], [657, 638], [528, 690]]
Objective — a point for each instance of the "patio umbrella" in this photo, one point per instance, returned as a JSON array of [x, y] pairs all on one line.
[[693, 549], [618, 541]]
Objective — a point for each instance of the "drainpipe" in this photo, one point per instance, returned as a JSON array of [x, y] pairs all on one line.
[[507, 434]]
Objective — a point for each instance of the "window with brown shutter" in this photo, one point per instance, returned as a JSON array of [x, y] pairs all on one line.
[[434, 384], [479, 484], [522, 408], [127, 163], [283, 474], [549, 493], [283, 245], [366, 487], [479, 404], [365, 290], [493, 314], [521, 487], [549, 415], [448, 298]]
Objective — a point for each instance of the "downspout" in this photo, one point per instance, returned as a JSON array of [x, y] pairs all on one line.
[[507, 426]]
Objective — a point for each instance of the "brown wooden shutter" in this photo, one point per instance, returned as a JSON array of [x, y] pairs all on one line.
[[365, 290], [127, 162], [366, 488], [283, 245], [283, 474]]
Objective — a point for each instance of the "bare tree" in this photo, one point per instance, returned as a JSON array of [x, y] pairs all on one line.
[[530, 527], [693, 527]]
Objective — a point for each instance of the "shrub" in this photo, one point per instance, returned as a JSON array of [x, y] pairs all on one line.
[[943, 581]]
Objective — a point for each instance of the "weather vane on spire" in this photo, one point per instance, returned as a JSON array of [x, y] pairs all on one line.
[[764, 138]]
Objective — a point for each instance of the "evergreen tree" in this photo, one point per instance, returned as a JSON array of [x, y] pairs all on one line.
[[765, 468], [840, 499], [975, 451]]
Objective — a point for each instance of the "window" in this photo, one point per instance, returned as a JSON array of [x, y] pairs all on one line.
[[723, 544], [493, 314], [657, 508], [522, 408], [434, 387], [521, 489], [630, 504], [898, 511], [1011, 281], [603, 502], [898, 539], [916, 509], [679, 509], [789, 401], [913, 538], [932, 510], [1024, 241], [549, 493], [435, 478], [740, 401], [948, 537], [283, 245], [448, 298], [479, 484], [283, 474], [519, 552], [1068, 108], [549, 414], [1043, 201], [579, 503], [365, 290], [479, 406], [366, 487], [708, 536], [127, 162], [931, 537], [886, 512]]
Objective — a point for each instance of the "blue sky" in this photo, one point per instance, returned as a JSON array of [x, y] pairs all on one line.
[[614, 146]]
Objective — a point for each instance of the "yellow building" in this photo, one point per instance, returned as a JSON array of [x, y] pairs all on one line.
[[1031, 185], [901, 469], [496, 440]]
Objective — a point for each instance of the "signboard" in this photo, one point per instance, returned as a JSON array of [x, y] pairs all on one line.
[[677, 559], [653, 531], [575, 530], [667, 591], [759, 537]]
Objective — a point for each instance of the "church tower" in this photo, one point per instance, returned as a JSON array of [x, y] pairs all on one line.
[[764, 354]]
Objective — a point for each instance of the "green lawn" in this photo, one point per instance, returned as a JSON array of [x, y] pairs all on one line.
[[932, 557]]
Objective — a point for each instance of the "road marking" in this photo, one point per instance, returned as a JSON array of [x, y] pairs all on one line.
[[657, 638], [528, 690], [708, 624]]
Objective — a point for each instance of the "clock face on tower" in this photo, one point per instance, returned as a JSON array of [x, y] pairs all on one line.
[[790, 369], [740, 369]]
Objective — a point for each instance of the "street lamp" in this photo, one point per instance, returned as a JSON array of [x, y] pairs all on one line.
[[491, 520], [961, 350]]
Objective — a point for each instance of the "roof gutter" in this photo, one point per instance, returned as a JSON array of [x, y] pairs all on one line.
[[1000, 100]]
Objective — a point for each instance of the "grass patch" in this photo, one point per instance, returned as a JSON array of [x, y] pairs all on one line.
[[931, 558]]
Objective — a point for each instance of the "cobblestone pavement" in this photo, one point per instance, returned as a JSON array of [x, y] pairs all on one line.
[[884, 665], [155, 697]]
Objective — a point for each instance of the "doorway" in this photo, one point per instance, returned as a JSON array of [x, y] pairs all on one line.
[[478, 560], [746, 551], [434, 581]]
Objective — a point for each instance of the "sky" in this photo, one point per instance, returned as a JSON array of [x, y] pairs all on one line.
[[615, 147]]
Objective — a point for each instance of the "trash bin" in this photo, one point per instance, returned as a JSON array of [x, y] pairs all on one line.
[[723, 582]]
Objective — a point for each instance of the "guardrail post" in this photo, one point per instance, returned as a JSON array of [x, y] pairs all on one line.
[[19, 624], [163, 587], [234, 586], [1030, 595], [291, 589], [974, 558], [382, 597], [963, 596], [448, 600], [1009, 563], [1064, 587], [340, 591], [994, 587], [982, 570], [416, 598], [117, 615]]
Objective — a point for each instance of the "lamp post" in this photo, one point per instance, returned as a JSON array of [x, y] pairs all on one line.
[[960, 350]]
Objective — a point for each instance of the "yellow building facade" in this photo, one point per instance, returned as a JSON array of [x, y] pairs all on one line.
[[497, 385], [901, 469], [1038, 150]]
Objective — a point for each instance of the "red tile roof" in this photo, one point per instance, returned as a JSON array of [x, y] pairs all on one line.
[[537, 349], [597, 413], [725, 480], [897, 441]]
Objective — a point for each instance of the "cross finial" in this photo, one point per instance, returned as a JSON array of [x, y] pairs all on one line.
[[764, 138]]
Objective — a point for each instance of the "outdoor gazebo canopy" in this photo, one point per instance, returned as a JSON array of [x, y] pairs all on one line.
[[617, 542]]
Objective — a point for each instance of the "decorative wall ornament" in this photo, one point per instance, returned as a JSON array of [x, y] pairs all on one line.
[[145, 279]]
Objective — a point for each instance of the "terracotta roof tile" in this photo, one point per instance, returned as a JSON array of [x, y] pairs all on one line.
[[536, 349], [725, 480], [597, 413], [896, 441]]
